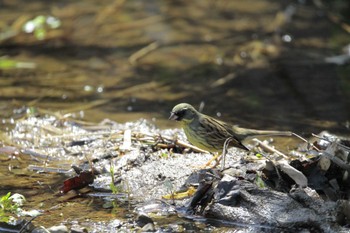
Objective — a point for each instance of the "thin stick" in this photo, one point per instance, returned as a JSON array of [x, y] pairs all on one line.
[[306, 141], [269, 148], [184, 144], [143, 52], [292, 172], [180, 143], [110, 9], [27, 223]]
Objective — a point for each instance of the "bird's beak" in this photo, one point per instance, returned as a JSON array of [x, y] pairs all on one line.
[[173, 116]]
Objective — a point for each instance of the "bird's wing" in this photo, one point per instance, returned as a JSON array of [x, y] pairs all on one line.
[[219, 131]]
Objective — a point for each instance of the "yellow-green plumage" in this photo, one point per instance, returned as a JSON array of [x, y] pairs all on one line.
[[204, 131], [209, 133]]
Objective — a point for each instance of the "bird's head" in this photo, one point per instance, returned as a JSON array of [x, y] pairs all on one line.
[[183, 112]]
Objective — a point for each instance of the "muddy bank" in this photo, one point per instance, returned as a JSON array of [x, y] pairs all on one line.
[[110, 176]]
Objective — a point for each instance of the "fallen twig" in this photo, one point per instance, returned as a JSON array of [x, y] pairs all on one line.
[[293, 173], [143, 52], [110, 9], [269, 148]]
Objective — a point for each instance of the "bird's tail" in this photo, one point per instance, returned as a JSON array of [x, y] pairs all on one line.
[[243, 133]]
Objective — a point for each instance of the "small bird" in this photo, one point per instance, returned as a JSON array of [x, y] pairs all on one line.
[[210, 134]]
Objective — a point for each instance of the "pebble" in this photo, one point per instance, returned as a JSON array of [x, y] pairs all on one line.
[[149, 227], [78, 229], [58, 229]]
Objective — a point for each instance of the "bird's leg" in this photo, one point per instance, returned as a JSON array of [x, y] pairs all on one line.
[[216, 157], [224, 151]]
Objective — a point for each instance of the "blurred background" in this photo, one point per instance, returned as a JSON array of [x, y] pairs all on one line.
[[263, 64]]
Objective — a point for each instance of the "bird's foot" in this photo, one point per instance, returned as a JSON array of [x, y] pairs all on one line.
[[216, 159]]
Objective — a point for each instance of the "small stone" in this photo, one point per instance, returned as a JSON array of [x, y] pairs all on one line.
[[149, 227], [116, 223], [78, 229], [58, 229]]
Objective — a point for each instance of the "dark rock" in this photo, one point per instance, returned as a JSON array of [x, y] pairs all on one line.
[[238, 201], [143, 220]]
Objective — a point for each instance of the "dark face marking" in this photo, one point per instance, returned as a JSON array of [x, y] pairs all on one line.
[[178, 115]]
